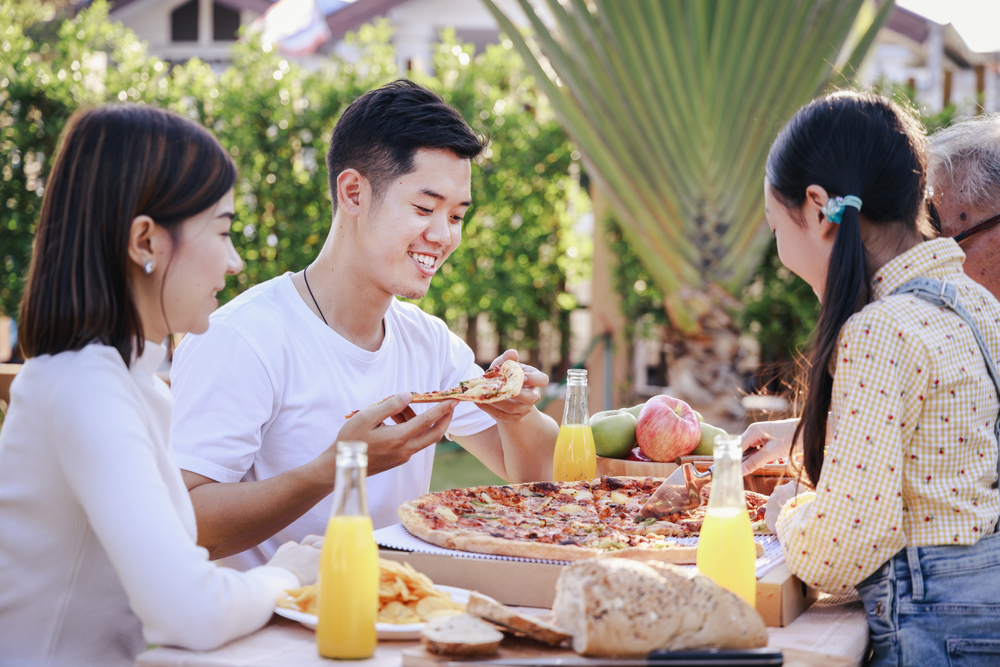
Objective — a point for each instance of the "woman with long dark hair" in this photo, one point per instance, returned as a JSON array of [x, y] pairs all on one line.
[[97, 533], [900, 422]]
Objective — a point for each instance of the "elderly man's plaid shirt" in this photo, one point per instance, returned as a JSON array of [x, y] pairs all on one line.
[[912, 454]]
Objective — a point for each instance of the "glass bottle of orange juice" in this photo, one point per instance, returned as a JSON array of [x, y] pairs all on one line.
[[575, 458], [348, 568], [726, 550]]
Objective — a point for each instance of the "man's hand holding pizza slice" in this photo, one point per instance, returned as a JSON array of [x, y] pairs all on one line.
[[514, 409], [393, 445], [508, 392]]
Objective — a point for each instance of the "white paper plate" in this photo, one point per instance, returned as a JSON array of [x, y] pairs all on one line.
[[386, 631]]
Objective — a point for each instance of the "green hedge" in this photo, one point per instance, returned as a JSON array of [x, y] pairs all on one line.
[[276, 119]]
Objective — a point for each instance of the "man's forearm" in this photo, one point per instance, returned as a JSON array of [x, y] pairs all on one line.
[[238, 516], [528, 446]]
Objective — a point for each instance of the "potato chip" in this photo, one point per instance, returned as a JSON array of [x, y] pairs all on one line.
[[431, 604], [405, 596]]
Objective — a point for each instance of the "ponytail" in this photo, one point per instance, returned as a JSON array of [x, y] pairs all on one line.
[[848, 289]]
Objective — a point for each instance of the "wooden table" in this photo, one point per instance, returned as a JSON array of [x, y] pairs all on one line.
[[832, 633]]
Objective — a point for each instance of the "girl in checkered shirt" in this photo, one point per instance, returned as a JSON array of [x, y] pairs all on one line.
[[899, 427]]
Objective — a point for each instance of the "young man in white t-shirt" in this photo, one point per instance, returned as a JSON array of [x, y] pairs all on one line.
[[261, 398]]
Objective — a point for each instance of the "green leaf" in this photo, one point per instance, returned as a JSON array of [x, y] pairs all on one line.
[[674, 104]]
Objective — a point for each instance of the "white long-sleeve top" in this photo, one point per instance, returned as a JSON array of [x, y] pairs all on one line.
[[98, 552]]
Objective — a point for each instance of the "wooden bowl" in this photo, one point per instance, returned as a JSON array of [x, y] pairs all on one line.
[[623, 468]]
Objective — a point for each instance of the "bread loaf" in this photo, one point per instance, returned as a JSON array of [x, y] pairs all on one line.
[[460, 636], [629, 608], [489, 609]]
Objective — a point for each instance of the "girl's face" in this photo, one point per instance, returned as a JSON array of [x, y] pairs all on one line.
[[202, 258], [804, 239]]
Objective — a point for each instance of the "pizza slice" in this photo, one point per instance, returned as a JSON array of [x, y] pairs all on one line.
[[497, 384]]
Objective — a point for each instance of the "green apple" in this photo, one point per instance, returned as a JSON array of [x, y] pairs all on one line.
[[634, 410], [698, 415], [706, 446], [614, 433]]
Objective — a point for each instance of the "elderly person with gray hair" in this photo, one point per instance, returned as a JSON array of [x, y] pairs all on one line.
[[964, 172]]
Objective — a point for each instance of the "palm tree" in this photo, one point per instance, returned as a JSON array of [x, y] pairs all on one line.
[[674, 104]]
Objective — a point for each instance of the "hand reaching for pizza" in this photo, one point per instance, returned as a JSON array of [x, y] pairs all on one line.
[[769, 441], [515, 408], [393, 445]]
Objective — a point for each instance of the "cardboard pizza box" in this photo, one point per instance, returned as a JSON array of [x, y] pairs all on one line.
[[781, 596]]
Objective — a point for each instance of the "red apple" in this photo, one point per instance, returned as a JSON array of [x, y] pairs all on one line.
[[637, 455], [667, 428]]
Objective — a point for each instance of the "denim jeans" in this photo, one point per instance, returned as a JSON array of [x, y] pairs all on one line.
[[936, 605]]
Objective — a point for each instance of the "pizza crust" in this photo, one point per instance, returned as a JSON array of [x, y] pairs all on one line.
[[463, 540]]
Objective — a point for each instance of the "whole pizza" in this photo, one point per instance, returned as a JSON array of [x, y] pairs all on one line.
[[559, 520]]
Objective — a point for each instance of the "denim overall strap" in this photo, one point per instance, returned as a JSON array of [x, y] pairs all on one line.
[[945, 294]]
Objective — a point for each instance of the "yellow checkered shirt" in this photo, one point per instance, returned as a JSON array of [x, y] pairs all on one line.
[[912, 454]]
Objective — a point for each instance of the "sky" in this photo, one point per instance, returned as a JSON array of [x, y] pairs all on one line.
[[977, 21]]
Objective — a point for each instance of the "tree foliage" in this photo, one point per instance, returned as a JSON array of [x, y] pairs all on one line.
[[276, 118], [674, 104]]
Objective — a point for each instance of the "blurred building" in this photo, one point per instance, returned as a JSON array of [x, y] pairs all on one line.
[[177, 30], [935, 62], [931, 58], [417, 24]]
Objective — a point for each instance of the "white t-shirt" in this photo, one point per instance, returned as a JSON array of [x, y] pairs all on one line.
[[267, 387], [97, 530]]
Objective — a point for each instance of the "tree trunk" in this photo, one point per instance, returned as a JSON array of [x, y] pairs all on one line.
[[472, 333], [706, 368], [533, 332], [565, 342]]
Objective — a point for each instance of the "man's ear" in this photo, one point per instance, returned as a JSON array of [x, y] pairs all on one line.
[[351, 189]]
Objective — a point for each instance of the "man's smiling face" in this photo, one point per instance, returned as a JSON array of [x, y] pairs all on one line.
[[408, 235]]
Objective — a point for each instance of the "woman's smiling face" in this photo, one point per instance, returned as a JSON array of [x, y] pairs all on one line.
[[201, 259]]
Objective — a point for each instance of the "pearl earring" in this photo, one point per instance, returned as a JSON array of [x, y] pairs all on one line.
[[148, 267]]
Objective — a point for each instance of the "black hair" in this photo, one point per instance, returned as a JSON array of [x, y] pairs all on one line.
[[848, 143], [381, 130], [113, 164]]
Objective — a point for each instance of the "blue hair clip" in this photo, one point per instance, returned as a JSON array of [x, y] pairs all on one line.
[[833, 209]]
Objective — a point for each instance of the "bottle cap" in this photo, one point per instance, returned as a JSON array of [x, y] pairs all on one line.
[[729, 446], [352, 453]]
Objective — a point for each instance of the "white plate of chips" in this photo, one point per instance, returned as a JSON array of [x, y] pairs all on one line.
[[386, 631], [407, 599]]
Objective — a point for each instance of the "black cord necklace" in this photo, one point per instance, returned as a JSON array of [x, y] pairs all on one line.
[[305, 278]]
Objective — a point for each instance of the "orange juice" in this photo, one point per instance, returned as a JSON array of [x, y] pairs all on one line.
[[726, 551], [348, 589], [575, 457]]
